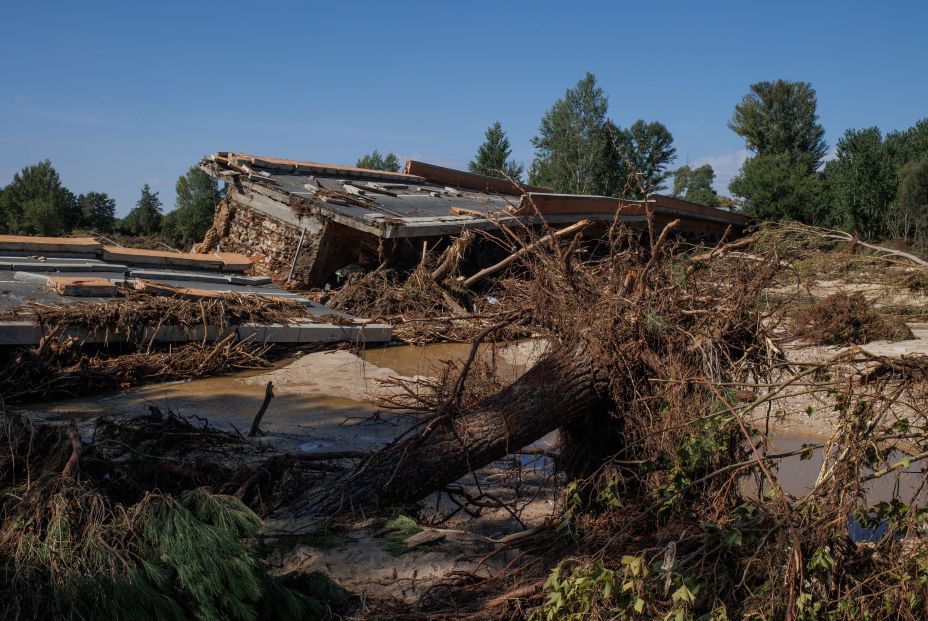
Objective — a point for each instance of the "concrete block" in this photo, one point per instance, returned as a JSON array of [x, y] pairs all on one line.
[[44, 245], [109, 267], [185, 276], [30, 277], [19, 333], [281, 333], [82, 286], [235, 279]]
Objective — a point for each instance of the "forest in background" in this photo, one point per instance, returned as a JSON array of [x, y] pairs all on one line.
[[873, 184]]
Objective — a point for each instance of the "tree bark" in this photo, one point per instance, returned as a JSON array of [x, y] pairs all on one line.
[[562, 387]]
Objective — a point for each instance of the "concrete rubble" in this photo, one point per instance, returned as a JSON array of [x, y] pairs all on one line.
[[303, 221], [53, 271]]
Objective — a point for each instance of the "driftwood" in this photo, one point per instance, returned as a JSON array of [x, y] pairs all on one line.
[[256, 423], [562, 387], [573, 228], [452, 256]]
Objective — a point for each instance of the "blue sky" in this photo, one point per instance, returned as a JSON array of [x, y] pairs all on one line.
[[118, 94]]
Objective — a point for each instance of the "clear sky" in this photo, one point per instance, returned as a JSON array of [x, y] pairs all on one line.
[[118, 94]]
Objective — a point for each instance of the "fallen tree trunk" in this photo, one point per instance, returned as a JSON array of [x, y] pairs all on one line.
[[562, 387]]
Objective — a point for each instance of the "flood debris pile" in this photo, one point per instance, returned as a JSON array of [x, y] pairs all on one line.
[[846, 319], [666, 372], [64, 368], [85, 533], [667, 368], [64, 365], [428, 303], [134, 311]]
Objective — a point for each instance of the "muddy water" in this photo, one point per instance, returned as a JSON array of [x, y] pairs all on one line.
[[798, 476], [329, 401]]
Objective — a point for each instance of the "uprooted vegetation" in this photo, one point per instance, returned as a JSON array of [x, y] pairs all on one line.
[[665, 374], [427, 303], [117, 529], [63, 365], [846, 319], [133, 312]]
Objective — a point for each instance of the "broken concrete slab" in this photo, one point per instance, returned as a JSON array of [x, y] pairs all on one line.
[[174, 275], [46, 245], [82, 287], [226, 261]]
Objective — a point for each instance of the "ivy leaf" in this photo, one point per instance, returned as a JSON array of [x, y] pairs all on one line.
[[683, 594]]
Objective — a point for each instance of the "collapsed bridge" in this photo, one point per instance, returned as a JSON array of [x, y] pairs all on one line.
[[303, 221]]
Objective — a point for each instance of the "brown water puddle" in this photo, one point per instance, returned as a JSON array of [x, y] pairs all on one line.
[[798, 476]]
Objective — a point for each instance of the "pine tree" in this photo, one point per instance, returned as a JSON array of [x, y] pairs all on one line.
[[145, 219], [780, 117], [573, 149], [493, 156], [778, 121]]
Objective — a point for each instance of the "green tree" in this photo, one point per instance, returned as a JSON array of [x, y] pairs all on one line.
[[649, 150], [907, 146], [778, 121], [41, 217], [776, 187], [145, 218], [197, 197], [695, 185], [780, 117], [375, 161], [913, 198], [861, 183], [97, 211], [37, 190], [493, 156], [574, 152]]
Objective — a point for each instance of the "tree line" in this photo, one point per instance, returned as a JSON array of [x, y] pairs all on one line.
[[875, 185], [35, 202]]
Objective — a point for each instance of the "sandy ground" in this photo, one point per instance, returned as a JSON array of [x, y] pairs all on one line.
[[328, 401]]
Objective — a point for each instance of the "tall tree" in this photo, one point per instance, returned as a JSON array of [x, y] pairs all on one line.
[[775, 187], [861, 183], [780, 117], [573, 149], [493, 156], [197, 197], [907, 146], [695, 185], [375, 161], [913, 199], [145, 218], [778, 121], [97, 211], [36, 202], [649, 150]]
